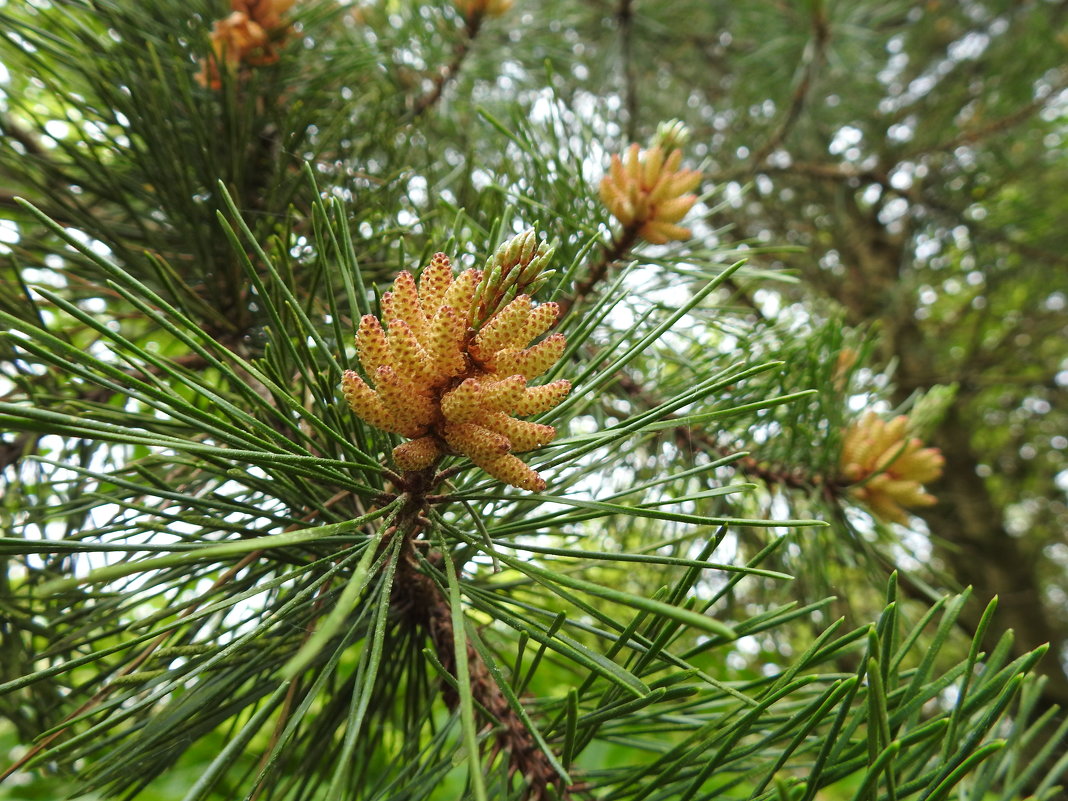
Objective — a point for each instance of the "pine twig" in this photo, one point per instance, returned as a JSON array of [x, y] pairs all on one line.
[[613, 253], [625, 19], [970, 136], [687, 436], [811, 62], [472, 26], [428, 608]]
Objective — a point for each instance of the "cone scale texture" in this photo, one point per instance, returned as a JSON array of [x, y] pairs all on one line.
[[451, 388], [887, 467]]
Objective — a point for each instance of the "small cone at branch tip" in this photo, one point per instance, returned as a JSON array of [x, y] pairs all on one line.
[[366, 403], [522, 434], [647, 191], [508, 393], [482, 8], [250, 35], [461, 292], [433, 282], [267, 13], [540, 321], [536, 400], [451, 388], [530, 362], [406, 304], [463, 404], [888, 467], [506, 326], [371, 345], [672, 135], [444, 340], [412, 410], [409, 353]]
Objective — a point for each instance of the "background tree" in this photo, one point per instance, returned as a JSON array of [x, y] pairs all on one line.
[[221, 578]]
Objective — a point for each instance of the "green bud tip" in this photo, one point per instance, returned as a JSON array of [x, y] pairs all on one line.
[[671, 134], [530, 244]]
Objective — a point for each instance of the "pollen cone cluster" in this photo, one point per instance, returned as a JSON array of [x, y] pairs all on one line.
[[888, 466], [453, 388], [645, 190], [482, 8], [250, 35]]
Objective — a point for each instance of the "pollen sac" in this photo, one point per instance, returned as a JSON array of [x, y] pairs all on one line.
[[418, 454], [886, 467], [648, 192], [451, 367]]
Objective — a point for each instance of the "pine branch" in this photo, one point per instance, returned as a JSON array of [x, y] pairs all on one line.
[[130, 668], [116, 681], [611, 255], [974, 135], [471, 29], [214, 453], [693, 439], [8, 127], [423, 604], [625, 21], [426, 607], [812, 60]]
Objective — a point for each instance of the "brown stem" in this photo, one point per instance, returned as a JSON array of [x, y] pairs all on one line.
[[691, 438], [810, 64], [972, 135], [12, 452], [625, 18], [613, 252], [9, 127], [472, 25], [427, 607]]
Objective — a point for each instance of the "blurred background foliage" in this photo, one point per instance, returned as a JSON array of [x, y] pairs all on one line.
[[182, 302]]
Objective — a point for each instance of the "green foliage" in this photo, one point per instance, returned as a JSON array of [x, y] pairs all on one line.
[[216, 583]]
